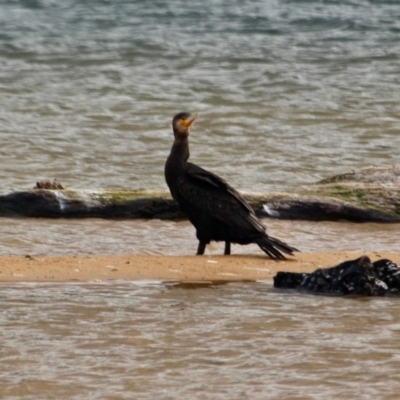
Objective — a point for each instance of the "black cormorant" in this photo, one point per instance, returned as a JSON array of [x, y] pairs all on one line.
[[216, 209]]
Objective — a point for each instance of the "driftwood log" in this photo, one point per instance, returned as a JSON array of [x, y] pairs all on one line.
[[368, 194]]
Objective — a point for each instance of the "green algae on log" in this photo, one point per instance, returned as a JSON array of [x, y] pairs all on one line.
[[370, 194]]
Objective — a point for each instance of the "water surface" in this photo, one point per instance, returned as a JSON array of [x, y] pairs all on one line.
[[291, 92], [152, 340], [99, 236]]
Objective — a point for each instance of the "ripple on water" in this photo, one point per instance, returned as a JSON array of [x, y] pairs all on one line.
[[217, 342], [271, 95], [99, 236]]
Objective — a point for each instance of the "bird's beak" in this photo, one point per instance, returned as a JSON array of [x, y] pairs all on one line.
[[189, 121]]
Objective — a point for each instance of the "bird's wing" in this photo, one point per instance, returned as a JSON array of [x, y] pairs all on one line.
[[209, 193]]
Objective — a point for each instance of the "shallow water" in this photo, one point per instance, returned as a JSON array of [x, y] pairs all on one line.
[[98, 236], [153, 340]]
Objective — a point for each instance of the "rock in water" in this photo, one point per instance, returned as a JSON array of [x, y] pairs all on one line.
[[388, 272], [289, 280], [357, 277]]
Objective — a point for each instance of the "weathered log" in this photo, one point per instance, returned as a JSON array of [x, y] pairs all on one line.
[[44, 203], [369, 194]]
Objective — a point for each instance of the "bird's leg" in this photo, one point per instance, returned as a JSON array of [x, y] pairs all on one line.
[[227, 248], [201, 248]]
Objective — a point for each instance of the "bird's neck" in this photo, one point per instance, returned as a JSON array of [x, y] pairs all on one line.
[[180, 150], [176, 165]]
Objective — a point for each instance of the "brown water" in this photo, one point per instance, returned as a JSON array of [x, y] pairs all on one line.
[[98, 236], [149, 340]]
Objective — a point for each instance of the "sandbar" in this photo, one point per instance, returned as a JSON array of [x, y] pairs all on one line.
[[94, 268]]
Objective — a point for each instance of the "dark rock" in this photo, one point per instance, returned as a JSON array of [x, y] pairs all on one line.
[[357, 277], [289, 280], [388, 272]]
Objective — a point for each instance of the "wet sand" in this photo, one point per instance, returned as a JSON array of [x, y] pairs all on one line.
[[168, 268]]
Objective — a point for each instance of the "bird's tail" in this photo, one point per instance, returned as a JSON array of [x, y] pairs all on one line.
[[273, 247]]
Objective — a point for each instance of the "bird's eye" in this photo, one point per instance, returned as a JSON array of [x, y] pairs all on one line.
[[183, 118]]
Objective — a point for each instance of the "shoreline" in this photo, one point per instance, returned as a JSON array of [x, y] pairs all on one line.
[[94, 268]]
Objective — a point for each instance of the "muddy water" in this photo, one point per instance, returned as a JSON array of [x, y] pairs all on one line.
[[98, 236], [154, 340]]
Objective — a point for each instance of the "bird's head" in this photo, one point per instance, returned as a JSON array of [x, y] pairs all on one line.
[[181, 124]]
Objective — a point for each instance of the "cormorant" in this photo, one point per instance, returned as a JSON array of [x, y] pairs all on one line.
[[216, 209]]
